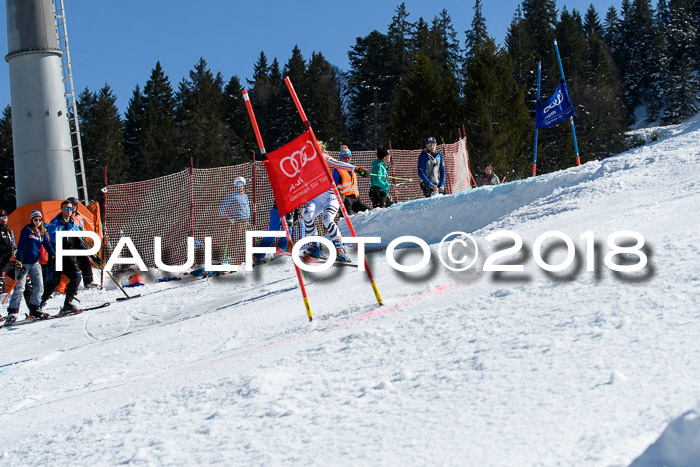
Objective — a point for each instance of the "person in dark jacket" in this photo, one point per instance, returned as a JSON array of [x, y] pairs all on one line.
[[83, 261], [7, 242], [31, 239], [64, 222], [487, 177], [379, 185], [431, 169]]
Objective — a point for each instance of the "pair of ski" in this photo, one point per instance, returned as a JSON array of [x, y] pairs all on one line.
[[29, 320], [309, 259]]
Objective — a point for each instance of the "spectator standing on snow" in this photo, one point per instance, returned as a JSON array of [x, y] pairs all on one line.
[[7, 242], [64, 222], [431, 169], [347, 184], [235, 207], [487, 177], [379, 185], [83, 261], [32, 237]]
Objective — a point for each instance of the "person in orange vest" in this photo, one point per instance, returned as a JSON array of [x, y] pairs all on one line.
[[347, 184], [83, 261]]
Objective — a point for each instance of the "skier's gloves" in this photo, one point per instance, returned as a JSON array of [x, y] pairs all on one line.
[[361, 171]]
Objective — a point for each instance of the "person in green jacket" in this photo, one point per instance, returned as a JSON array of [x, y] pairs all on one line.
[[379, 186]]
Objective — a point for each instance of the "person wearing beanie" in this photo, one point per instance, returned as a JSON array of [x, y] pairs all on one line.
[[379, 185], [347, 184], [32, 237], [431, 169]]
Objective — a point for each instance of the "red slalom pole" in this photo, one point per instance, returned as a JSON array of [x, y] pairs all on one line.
[[447, 176], [393, 173], [302, 114], [248, 105]]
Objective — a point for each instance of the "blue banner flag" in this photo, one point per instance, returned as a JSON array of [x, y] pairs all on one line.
[[555, 109]]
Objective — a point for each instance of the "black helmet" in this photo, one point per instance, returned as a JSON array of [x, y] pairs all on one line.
[[72, 200]]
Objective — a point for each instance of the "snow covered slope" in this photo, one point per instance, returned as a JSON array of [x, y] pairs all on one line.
[[470, 368]]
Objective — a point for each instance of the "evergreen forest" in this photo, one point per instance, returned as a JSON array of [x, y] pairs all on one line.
[[419, 77]]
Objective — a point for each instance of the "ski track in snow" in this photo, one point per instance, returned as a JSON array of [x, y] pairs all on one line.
[[472, 368]]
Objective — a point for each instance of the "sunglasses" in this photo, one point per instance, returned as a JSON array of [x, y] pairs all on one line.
[[66, 208], [3, 218], [37, 219]]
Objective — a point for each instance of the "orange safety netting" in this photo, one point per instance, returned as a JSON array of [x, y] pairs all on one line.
[[203, 203]]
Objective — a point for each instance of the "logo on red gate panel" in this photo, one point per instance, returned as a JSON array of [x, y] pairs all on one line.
[[293, 164]]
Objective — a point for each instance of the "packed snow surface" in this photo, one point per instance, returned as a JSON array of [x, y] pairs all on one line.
[[476, 368]]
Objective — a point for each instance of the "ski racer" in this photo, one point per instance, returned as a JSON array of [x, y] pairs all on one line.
[[327, 205]]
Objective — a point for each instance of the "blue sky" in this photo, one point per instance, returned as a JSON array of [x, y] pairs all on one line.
[[118, 43]]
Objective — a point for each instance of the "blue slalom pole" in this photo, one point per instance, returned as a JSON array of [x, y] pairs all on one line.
[[571, 119], [539, 74]]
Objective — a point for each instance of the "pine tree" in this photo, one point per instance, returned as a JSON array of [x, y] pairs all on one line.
[[134, 129], [417, 112], [422, 40], [531, 39], [370, 90], [682, 84], [611, 29], [236, 117], [102, 139], [151, 134], [497, 121], [591, 22], [477, 35], [399, 36], [290, 124], [7, 167], [324, 105], [446, 45], [572, 46], [642, 76], [199, 115], [266, 98], [518, 43]]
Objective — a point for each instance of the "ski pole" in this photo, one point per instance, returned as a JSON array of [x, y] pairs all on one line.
[[389, 176], [98, 261], [127, 297], [228, 235], [13, 286]]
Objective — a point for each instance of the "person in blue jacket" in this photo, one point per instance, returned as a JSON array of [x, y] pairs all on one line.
[[431, 169], [235, 208], [64, 222], [32, 237]]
